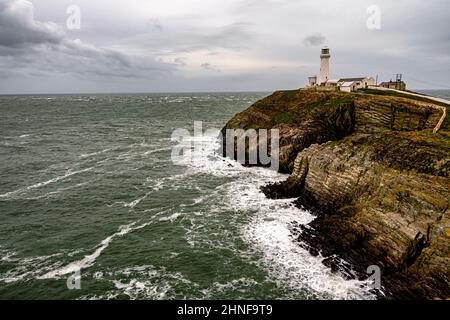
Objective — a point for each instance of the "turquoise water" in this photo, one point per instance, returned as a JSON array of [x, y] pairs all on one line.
[[87, 183]]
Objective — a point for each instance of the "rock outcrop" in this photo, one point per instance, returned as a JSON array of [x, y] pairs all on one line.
[[377, 177]]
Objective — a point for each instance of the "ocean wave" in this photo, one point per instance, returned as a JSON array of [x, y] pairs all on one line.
[[134, 203], [288, 263], [28, 268], [172, 217], [88, 155], [60, 190], [44, 183], [268, 232], [89, 260], [7, 255], [236, 285], [143, 282], [156, 151], [205, 158]]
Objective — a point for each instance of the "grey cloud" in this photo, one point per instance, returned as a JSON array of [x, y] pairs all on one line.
[[155, 24], [180, 37], [209, 67], [234, 35], [105, 62], [18, 27], [180, 61], [146, 47], [27, 43], [314, 40], [263, 5]]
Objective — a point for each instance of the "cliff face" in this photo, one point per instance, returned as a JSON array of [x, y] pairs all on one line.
[[377, 177]]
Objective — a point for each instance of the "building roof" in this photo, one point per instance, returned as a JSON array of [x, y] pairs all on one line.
[[390, 82], [351, 79], [348, 84]]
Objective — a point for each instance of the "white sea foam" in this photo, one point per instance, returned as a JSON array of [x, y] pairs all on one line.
[[268, 231], [89, 260], [156, 151], [7, 255], [290, 264], [149, 282], [134, 203], [61, 190], [205, 158], [143, 282], [143, 288], [28, 268], [88, 155], [44, 183], [172, 217], [235, 285], [173, 181]]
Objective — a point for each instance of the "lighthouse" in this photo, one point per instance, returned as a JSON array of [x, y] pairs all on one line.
[[324, 65]]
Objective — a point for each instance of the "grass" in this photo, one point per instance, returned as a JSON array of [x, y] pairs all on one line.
[[328, 108], [285, 117], [290, 94], [440, 139], [341, 101]]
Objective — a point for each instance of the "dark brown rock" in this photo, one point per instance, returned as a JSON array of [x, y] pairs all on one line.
[[376, 176]]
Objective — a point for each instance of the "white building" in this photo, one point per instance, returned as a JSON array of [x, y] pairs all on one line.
[[312, 81], [347, 86], [324, 66], [353, 84]]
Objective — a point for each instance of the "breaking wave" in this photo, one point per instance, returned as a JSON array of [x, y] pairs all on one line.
[[268, 231]]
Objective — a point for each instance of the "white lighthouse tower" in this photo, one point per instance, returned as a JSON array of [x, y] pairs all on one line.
[[324, 65]]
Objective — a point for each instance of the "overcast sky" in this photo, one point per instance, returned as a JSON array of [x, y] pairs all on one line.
[[217, 45]]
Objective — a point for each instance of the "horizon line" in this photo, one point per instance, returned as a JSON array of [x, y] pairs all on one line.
[[167, 92], [140, 92]]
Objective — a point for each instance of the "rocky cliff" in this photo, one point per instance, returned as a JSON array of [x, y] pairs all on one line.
[[377, 177]]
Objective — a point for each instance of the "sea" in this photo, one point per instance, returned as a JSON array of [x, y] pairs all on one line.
[[93, 205]]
